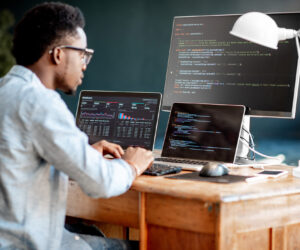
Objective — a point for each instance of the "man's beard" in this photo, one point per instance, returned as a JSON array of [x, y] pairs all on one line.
[[63, 80], [70, 92]]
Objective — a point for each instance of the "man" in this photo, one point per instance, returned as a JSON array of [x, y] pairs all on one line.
[[40, 146]]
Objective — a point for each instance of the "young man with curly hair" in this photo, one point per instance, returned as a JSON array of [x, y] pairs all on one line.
[[40, 145]]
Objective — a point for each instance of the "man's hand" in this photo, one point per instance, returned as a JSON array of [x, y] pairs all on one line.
[[139, 158], [105, 147]]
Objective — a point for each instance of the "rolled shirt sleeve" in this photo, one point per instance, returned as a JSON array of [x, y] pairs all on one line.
[[59, 142]]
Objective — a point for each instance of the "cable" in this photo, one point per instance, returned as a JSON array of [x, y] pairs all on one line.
[[250, 135], [251, 145], [251, 154], [278, 157]]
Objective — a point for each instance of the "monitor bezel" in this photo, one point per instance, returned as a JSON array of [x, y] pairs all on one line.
[[194, 105]]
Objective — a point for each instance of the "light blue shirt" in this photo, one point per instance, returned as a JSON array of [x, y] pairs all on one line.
[[40, 146]]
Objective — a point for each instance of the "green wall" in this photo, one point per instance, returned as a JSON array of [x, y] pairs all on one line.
[[131, 41]]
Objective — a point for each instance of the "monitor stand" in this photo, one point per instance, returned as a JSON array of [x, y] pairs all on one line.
[[243, 150]]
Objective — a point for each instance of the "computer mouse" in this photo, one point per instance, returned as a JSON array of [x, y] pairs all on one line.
[[213, 169]]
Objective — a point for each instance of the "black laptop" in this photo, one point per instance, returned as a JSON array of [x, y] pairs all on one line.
[[125, 118], [198, 133]]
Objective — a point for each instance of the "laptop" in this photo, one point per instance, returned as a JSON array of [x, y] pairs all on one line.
[[200, 133], [125, 118]]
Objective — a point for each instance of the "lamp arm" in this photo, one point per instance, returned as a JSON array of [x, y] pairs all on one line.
[[284, 34]]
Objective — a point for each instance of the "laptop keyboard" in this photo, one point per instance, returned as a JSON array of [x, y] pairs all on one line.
[[185, 161], [161, 169]]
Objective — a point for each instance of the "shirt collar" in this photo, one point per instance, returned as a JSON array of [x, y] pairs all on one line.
[[24, 73]]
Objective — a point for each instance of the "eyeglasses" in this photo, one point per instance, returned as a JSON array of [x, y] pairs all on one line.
[[86, 53]]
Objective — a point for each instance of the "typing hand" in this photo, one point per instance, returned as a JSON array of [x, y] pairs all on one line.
[[139, 158], [105, 147]]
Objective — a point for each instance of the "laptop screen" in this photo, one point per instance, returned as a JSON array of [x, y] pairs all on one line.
[[125, 118], [205, 132]]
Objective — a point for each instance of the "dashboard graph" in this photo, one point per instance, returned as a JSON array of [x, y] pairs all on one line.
[[125, 120]]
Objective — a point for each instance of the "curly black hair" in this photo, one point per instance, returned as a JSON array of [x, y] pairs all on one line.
[[44, 26]]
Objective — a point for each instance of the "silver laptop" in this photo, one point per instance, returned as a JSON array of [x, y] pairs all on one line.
[[125, 118], [198, 133]]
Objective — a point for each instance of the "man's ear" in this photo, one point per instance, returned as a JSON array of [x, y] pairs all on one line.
[[57, 55]]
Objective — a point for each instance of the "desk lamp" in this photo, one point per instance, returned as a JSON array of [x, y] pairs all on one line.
[[261, 29]]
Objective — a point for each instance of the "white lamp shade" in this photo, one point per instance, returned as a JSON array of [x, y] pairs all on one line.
[[261, 29]]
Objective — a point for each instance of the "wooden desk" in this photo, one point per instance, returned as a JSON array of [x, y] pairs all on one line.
[[182, 214]]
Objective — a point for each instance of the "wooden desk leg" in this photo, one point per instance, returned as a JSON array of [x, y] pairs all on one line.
[[143, 225], [225, 232], [278, 238]]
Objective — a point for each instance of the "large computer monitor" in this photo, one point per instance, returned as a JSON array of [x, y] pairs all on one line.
[[208, 65]]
